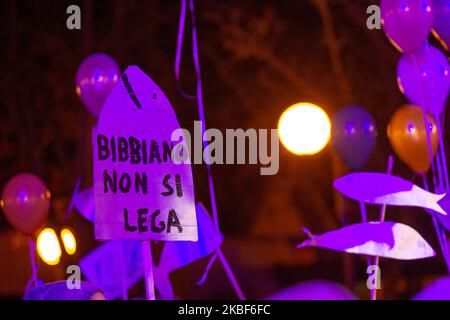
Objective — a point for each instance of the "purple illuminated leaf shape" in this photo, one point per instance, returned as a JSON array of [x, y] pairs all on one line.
[[102, 266], [437, 290], [84, 203], [179, 254]]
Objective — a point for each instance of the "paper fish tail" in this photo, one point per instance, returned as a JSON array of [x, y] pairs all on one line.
[[304, 244], [442, 204]]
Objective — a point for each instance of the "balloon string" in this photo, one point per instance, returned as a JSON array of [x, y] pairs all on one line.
[[34, 269], [437, 229], [201, 112], [424, 117], [439, 177], [441, 165], [442, 161], [180, 51], [207, 269], [72, 199], [376, 260], [362, 208], [443, 157]]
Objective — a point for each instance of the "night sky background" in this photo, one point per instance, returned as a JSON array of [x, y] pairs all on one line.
[[258, 57]]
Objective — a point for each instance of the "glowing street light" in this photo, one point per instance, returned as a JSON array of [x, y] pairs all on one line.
[[304, 129], [69, 242], [48, 246]]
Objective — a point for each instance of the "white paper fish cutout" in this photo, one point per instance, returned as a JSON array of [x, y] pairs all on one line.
[[380, 188], [384, 239]]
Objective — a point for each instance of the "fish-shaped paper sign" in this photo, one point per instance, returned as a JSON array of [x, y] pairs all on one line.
[[385, 189], [141, 191], [384, 239]]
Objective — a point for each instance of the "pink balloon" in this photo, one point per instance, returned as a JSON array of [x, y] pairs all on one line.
[[25, 202], [96, 77], [441, 24], [407, 23], [424, 78]]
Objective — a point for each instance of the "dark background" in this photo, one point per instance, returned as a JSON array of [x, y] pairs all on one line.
[[258, 57]]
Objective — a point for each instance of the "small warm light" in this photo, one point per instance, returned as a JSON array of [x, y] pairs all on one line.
[[69, 242], [48, 246], [304, 129]]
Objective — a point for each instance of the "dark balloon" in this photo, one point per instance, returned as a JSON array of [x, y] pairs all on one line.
[[353, 134]]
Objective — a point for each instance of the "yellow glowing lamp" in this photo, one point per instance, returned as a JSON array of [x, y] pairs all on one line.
[[69, 242], [48, 246], [304, 129]]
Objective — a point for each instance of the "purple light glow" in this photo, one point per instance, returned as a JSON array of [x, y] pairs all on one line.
[[23, 196], [368, 126], [350, 127]]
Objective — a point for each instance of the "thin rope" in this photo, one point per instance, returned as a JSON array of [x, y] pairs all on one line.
[[33, 281], [201, 113], [179, 52]]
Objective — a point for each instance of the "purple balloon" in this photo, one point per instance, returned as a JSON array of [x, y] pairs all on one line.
[[96, 77], [424, 78], [407, 23], [441, 24]]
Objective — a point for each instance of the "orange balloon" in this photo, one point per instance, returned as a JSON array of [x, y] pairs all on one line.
[[25, 202], [408, 137]]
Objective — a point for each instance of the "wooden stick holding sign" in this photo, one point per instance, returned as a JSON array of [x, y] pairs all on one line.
[[148, 269], [141, 191]]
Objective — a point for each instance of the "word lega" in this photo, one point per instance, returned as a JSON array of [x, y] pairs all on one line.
[[143, 224]]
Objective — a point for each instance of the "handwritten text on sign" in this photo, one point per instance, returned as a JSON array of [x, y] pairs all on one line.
[[139, 192]]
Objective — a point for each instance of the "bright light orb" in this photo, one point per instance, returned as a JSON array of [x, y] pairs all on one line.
[[304, 129], [48, 247], [69, 242]]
